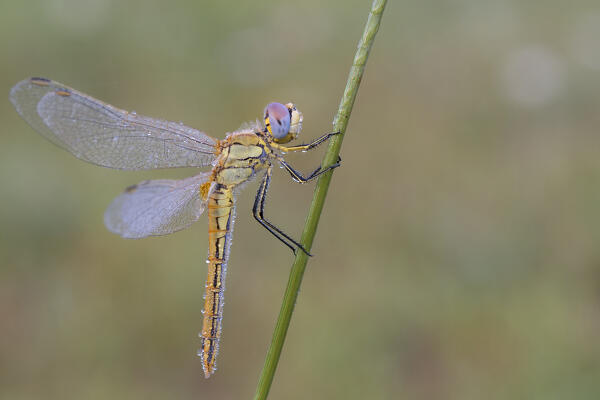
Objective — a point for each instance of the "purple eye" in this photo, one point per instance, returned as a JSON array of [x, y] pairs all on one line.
[[277, 119]]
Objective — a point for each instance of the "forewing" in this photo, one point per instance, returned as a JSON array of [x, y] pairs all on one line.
[[105, 135], [158, 207]]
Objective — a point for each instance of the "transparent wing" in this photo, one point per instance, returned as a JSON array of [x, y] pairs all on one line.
[[105, 135], [251, 126], [157, 207]]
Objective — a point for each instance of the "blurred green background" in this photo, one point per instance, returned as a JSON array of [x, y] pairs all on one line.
[[458, 256]]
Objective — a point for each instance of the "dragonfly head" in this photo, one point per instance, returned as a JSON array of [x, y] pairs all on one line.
[[283, 122]]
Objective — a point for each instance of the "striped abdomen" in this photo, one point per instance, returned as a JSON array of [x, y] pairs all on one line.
[[221, 214]]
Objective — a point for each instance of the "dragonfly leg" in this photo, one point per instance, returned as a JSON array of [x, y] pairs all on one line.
[[258, 211], [298, 177], [311, 145]]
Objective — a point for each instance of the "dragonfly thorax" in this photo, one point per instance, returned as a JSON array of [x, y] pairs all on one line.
[[283, 122]]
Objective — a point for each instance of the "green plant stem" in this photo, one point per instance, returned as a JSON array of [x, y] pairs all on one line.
[[314, 213]]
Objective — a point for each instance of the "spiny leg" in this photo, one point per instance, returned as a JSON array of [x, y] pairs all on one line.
[[311, 145], [258, 211], [298, 177]]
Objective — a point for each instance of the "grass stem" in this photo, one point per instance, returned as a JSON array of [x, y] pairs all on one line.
[[314, 213]]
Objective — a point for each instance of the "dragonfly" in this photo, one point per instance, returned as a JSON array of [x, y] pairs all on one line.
[[107, 136]]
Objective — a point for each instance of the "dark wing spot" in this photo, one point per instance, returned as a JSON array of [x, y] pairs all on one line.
[[40, 81], [63, 92]]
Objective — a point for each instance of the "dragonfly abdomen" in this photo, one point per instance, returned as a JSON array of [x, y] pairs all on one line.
[[221, 215]]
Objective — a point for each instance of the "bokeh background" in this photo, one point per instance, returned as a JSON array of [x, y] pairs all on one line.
[[458, 256]]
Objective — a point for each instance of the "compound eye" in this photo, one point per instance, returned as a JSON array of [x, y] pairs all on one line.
[[277, 120]]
